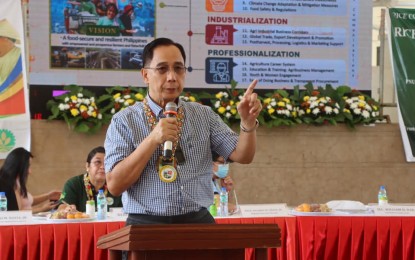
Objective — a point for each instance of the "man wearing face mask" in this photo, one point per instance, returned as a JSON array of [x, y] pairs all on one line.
[[221, 179]]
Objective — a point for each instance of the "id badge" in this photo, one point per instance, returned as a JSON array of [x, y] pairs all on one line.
[[167, 169]]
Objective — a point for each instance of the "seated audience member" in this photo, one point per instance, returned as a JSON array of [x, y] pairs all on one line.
[[81, 188], [221, 179], [13, 179], [221, 176]]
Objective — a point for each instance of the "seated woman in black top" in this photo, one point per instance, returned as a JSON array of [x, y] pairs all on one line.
[[13, 178]]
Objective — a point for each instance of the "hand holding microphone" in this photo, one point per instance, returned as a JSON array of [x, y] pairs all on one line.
[[170, 112]]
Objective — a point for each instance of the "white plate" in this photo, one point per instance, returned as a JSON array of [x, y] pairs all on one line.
[[71, 220], [346, 205], [41, 215], [354, 211], [300, 213]]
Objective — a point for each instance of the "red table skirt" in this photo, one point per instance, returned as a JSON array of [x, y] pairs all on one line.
[[322, 237], [288, 249], [78, 240], [356, 237], [55, 241]]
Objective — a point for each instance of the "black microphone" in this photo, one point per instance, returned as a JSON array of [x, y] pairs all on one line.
[[169, 111]]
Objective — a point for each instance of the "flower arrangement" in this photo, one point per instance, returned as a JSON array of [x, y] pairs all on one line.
[[278, 109], [190, 97], [316, 106], [118, 98], [360, 108], [225, 103], [79, 110], [319, 106]]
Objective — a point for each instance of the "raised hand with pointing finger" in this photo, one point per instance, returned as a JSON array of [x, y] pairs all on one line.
[[249, 108]]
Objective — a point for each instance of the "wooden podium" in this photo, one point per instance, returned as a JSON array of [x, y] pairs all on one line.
[[191, 241]]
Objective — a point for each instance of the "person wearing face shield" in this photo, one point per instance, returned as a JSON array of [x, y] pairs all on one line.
[[221, 179]]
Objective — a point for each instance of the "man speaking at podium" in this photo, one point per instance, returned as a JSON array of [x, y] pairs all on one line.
[[159, 151]]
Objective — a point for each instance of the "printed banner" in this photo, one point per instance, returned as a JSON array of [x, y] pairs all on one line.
[[402, 43], [282, 43], [14, 106]]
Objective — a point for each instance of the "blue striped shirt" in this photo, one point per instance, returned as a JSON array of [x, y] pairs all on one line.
[[203, 131]]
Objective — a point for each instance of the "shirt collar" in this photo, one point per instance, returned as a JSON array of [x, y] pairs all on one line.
[[157, 110]]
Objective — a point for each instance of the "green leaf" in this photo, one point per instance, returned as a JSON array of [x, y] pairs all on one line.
[[205, 95], [82, 127], [233, 84], [343, 90], [95, 128], [307, 120], [103, 98], [332, 121], [282, 92], [309, 87], [55, 112], [319, 120]]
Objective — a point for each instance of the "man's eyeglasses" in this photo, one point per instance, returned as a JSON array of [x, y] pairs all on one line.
[[179, 70]]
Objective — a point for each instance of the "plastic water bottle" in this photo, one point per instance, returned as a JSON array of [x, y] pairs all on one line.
[[213, 210], [3, 201], [382, 196], [90, 208], [102, 205], [223, 198]]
